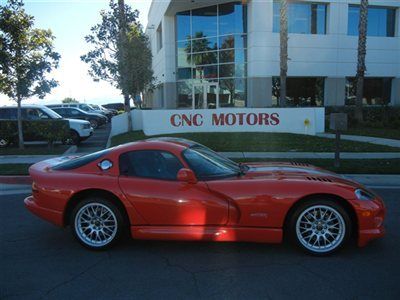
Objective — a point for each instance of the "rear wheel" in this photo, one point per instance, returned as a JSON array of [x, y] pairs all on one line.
[[320, 227], [96, 223]]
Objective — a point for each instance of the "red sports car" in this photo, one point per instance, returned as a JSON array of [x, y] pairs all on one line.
[[176, 189]]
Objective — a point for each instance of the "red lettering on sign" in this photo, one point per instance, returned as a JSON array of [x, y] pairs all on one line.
[[230, 119], [218, 120], [240, 115], [174, 121], [197, 120], [263, 119], [275, 119], [251, 119]]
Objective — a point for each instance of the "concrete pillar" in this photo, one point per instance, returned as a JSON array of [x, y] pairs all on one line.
[[395, 95], [334, 91], [170, 95], [259, 92]]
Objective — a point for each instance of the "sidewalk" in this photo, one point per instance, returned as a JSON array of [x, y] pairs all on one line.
[[367, 139]]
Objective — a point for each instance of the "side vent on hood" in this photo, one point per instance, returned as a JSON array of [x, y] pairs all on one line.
[[299, 164], [322, 179]]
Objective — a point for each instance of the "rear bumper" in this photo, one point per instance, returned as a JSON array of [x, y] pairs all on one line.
[[52, 216]]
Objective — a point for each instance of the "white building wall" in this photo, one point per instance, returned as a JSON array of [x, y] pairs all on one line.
[[332, 55]]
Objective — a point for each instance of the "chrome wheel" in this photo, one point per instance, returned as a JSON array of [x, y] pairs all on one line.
[[96, 225], [320, 228]]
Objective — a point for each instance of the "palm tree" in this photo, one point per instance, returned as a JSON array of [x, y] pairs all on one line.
[[362, 52], [283, 51]]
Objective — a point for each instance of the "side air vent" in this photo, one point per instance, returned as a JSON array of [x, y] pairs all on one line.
[[322, 179], [299, 164]]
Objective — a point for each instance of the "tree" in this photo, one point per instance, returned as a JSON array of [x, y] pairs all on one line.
[[283, 36], [361, 53], [26, 57], [69, 100], [120, 50]]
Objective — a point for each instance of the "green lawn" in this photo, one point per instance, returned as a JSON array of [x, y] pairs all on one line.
[[348, 166], [14, 169], [34, 150], [262, 142]]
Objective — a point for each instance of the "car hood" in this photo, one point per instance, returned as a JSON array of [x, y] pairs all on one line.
[[77, 121], [293, 170]]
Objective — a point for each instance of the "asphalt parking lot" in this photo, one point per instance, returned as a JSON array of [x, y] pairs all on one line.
[[39, 260], [97, 141]]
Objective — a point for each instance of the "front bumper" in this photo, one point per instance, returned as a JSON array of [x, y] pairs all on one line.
[[86, 133], [370, 217], [52, 216]]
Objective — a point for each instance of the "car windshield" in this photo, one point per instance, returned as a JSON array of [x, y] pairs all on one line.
[[51, 113], [208, 164]]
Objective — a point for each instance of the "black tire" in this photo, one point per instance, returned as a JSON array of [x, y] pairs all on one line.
[[74, 137], [94, 123], [4, 143], [299, 230], [114, 215]]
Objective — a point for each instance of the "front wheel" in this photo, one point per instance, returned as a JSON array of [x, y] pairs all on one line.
[[96, 223], [320, 227]]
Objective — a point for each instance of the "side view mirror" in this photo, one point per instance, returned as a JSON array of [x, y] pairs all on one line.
[[186, 175]]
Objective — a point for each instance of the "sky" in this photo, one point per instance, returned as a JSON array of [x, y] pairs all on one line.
[[70, 21]]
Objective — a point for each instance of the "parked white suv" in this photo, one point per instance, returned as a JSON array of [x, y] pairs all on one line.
[[80, 129]]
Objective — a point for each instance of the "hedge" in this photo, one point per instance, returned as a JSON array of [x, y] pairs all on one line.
[[38, 130], [374, 116]]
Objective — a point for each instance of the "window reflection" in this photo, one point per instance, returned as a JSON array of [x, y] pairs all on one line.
[[204, 20], [305, 18], [376, 91], [211, 47], [381, 21], [301, 91]]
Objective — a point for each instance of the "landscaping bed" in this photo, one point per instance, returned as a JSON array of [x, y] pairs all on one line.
[[262, 142]]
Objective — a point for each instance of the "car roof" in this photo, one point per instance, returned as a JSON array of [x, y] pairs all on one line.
[[174, 140], [25, 106]]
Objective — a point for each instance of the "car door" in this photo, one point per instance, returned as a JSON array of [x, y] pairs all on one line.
[[148, 180]]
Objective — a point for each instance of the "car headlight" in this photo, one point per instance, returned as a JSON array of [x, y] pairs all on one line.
[[85, 126], [364, 195]]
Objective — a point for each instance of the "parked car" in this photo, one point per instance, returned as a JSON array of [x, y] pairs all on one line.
[[80, 130], [175, 189], [83, 106], [116, 106], [95, 119], [106, 111]]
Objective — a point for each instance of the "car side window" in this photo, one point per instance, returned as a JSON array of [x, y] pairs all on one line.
[[150, 164], [74, 112]]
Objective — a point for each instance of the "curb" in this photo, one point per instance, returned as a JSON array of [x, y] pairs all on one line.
[[15, 180]]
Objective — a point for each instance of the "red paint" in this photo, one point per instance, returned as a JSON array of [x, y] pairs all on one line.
[[252, 207]]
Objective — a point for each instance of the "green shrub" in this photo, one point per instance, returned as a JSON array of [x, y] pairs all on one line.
[[38, 130], [374, 116]]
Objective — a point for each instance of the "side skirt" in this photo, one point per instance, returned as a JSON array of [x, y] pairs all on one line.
[[208, 233]]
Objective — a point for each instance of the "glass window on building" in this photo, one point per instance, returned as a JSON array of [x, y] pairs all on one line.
[[211, 56], [305, 18], [376, 91], [381, 21], [159, 37], [300, 91]]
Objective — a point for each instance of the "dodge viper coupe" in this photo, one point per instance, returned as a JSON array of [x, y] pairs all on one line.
[[176, 189]]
